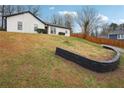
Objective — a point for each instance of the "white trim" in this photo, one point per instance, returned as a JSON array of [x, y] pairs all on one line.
[[121, 36]]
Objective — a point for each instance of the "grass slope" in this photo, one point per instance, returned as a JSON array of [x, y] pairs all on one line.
[[29, 60]]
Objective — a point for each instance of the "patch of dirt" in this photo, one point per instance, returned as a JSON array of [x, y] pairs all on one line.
[[27, 71], [67, 77]]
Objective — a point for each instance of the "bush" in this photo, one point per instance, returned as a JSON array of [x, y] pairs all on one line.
[[41, 30], [1, 29]]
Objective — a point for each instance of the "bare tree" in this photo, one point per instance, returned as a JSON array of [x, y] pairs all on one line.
[[20, 8], [9, 9], [53, 19], [6, 10], [34, 9], [88, 20], [57, 19], [68, 20], [2, 14], [105, 29]]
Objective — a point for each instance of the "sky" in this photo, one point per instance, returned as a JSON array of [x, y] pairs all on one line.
[[108, 13], [112, 13]]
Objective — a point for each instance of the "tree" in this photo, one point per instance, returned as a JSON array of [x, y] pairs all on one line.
[[6, 10], [88, 20], [68, 20], [2, 14], [9, 9], [20, 8], [34, 9], [57, 19], [65, 20], [113, 26], [105, 29], [121, 26]]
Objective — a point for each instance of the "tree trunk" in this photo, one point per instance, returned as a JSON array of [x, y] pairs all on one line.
[[2, 16]]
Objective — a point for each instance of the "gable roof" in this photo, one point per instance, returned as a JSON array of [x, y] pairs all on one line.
[[117, 32], [55, 25], [25, 13], [36, 18]]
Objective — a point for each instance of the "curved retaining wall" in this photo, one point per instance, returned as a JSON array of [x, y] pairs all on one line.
[[101, 66]]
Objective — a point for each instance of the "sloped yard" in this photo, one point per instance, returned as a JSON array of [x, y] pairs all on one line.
[[29, 60]]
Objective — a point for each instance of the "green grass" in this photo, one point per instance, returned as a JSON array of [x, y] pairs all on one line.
[[29, 60]]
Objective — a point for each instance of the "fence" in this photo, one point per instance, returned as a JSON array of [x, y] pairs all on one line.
[[111, 42]]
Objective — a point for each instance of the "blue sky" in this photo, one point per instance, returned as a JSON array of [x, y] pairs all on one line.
[[114, 13], [109, 13]]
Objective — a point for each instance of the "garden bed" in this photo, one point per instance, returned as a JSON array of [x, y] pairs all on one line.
[[98, 66]]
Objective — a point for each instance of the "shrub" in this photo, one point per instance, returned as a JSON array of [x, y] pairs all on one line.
[[1, 29]]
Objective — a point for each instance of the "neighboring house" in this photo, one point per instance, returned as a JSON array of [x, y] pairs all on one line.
[[26, 22], [103, 36], [119, 34]]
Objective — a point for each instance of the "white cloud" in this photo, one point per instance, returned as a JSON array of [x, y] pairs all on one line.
[[51, 8], [73, 13], [118, 21], [121, 20], [103, 18]]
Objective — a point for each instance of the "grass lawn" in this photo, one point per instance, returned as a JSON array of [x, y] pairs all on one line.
[[29, 60]]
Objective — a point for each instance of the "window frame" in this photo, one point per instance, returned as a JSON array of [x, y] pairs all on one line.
[[122, 36], [118, 36], [35, 27], [20, 25], [53, 30], [66, 32]]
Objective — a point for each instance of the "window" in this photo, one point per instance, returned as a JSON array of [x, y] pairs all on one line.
[[19, 25], [66, 31], [35, 27], [122, 36], [118, 36], [53, 30]]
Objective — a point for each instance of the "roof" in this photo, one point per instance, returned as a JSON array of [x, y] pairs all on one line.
[[55, 25], [103, 36], [36, 18], [117, 32], [24, 13]]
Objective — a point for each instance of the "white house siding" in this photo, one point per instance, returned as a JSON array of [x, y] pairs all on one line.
[[27, 20], [58, 29]]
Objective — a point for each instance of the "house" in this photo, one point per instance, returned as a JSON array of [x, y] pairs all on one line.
[[117, 34], [27, 22]]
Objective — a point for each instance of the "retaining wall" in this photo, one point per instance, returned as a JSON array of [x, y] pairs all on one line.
[[98, 66]]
